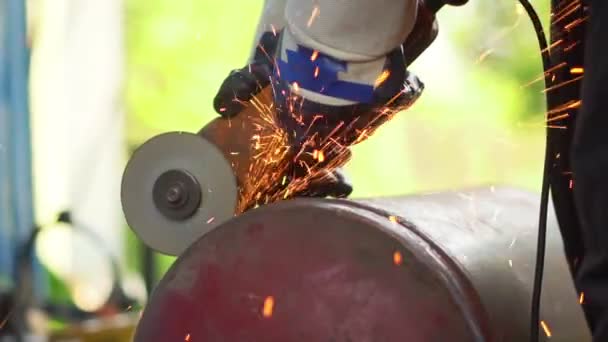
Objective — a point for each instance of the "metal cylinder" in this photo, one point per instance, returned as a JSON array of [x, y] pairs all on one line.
[[452, 266]]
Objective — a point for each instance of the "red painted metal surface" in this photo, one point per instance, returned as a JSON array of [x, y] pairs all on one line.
[[314, 270], [330, 277]]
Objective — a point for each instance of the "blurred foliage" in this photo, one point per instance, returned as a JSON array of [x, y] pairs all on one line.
[[178, 54], [57, 287], [475, 124], [503, 36]]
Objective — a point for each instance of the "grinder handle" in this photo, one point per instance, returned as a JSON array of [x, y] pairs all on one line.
[[435, 5]]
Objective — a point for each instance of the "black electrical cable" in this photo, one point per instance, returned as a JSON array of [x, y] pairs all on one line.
[[435, 6], [544, 198], [546, 186]]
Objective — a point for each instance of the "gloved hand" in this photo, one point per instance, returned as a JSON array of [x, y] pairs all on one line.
[[242, 85]]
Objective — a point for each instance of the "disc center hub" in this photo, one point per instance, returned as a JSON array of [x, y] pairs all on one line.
[[177, 194]]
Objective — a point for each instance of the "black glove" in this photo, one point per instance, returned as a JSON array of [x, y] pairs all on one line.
[[243, 84]]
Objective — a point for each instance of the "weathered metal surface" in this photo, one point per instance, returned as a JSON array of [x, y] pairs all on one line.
[[491, 233], [443, 267]]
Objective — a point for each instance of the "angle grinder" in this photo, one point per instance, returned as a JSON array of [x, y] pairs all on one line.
[[178, 186]]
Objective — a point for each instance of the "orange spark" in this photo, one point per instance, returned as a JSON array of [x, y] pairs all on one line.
[[550, 47], [187, 338], [563, 84], [545, 74], [397, 258], [383, 77], [571, 46], [362, 136], [581, 298], [314, 55], [556, 127], [571, 184], [575, 23], [577, 71], [393, 99], [484, 55], [316, 74], [321, 156], [565, 9], [559, 117], [269, 173], [392, 219], [545, 126], [546, 328], [268, 307], [568, 105], [313, 16], [274, 30], [211, 220], [565, 14], [296, 86]]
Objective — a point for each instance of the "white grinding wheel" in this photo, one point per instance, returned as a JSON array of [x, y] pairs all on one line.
[[169, 219]]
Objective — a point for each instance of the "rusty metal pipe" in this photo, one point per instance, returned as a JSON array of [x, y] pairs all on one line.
[[452, 266]]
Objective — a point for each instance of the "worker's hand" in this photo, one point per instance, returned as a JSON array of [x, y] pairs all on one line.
[[426, 27], [243, 84]]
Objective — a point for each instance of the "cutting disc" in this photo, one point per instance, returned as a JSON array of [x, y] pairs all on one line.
[[177, 187]]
